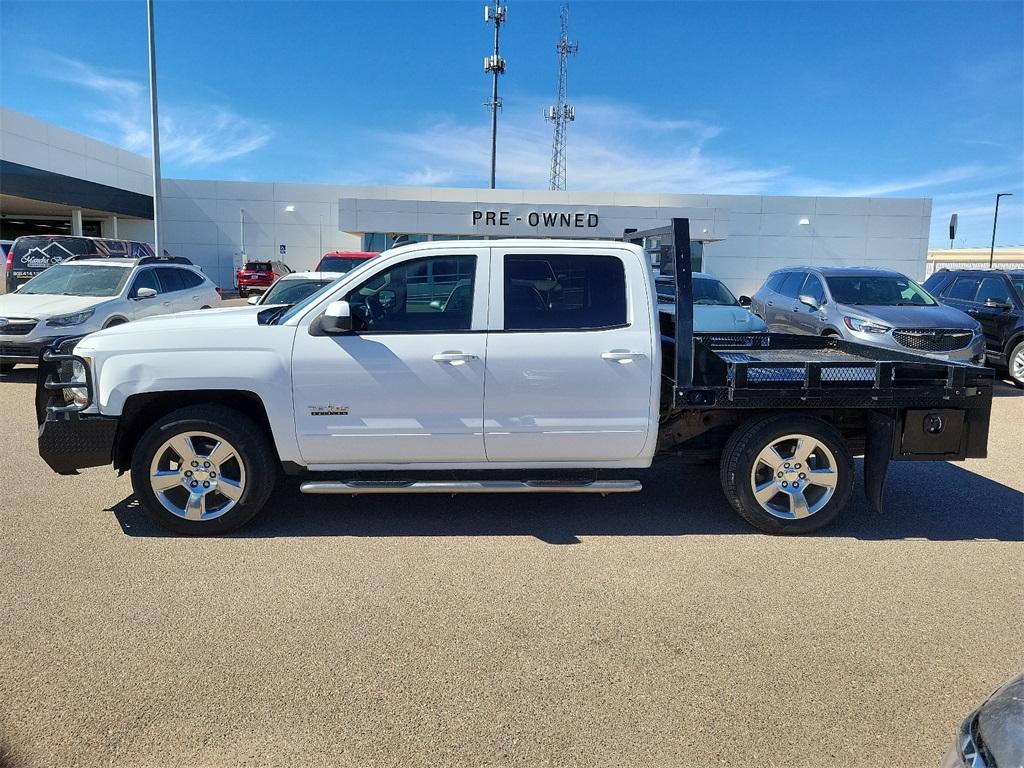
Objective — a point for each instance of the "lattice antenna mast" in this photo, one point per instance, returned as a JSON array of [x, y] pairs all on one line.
[[561, 114], [495, 65]]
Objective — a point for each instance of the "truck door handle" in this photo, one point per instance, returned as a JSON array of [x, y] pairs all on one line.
[[453, 358], [770, 303], [621, 356]]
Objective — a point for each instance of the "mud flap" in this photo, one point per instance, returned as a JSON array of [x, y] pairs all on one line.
[[877, 452]]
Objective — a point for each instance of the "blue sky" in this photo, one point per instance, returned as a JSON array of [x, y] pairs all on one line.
[[886, 98]]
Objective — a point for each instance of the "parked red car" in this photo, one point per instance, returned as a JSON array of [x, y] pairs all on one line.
[[343, 261], [259, 275]]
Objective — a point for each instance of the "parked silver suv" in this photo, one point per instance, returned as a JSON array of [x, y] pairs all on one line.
[[871, 306]]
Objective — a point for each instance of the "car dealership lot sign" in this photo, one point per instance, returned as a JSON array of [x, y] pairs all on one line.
[[545, 219], [523, 218]]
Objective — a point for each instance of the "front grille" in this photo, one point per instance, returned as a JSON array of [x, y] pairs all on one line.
[[18, 327], [932, 339], [17, 350]]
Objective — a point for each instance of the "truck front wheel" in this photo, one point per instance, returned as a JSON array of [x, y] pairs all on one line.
[[788, 473], [202, 470]]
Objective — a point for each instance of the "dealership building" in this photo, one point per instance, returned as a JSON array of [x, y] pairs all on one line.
[[56, 181]]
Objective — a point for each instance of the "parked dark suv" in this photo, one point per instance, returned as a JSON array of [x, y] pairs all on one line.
[[995, 297]]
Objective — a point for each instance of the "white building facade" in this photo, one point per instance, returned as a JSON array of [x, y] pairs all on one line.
[[50, 172]]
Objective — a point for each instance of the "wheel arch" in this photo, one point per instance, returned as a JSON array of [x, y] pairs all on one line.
[[115, 320], [141, 410], [1015, 338]]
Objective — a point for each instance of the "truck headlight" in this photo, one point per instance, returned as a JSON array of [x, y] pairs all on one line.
[[76, 318], [865, 326], [79, 372]]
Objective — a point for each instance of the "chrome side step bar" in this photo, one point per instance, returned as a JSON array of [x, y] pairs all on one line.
[[465, 486]]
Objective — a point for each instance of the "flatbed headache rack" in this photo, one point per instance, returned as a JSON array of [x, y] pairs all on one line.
[[767, 370]]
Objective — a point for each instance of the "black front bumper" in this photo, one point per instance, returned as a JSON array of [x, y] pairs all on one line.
[[13, 350], [68, 442]]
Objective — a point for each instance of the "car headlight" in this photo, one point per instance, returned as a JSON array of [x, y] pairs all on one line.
[[865, 326], [76, 318]]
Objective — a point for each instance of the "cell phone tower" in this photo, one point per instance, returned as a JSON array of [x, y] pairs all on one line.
[[561, 114], [495, 65]]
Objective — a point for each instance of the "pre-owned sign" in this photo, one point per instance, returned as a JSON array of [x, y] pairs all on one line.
[[549, 219]]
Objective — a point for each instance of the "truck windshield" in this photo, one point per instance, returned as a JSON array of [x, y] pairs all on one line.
[[78, 280], [878, 291]]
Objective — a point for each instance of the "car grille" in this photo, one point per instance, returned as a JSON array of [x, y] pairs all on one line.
[[932, 339], [18, 328], [17, 350]]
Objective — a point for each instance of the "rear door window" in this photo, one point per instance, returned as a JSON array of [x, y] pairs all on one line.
[[170, 279], [995, 289], [964, 288], [564, 293]]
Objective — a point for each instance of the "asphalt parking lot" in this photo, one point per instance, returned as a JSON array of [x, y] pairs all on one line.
[[638, 630]]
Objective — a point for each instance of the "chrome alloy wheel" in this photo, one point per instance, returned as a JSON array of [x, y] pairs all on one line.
[[794, 477], [197, 476], [1017, 365]]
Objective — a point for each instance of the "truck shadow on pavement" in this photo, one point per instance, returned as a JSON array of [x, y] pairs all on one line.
[[940, 502]]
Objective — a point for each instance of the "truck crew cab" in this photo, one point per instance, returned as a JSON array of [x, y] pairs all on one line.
[[511, 366]]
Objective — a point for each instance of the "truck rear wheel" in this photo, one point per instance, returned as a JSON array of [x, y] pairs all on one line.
[[787, 473], [203, 470]]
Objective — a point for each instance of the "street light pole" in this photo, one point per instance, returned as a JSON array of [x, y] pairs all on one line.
[[155, 128], [995, 220]]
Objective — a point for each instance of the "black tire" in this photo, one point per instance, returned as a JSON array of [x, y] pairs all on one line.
[[7, 367], [1018, 379], [242, 293], [254, 452], [737, 470]]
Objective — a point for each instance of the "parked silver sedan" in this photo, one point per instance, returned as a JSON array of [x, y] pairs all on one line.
[[879, 307]]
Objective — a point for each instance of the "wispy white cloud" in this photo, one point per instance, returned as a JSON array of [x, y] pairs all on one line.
[[200, 134], [896, 186], [617, 148]]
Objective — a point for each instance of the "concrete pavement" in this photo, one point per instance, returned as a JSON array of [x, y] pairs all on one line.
[[652, 629]]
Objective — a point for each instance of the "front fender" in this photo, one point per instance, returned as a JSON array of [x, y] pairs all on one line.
[[263, 372]]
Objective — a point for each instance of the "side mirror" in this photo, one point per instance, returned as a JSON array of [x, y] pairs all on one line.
[[145, 293], [810, 301], [996, 304], [744, 301], [254, 300], [337, 319]]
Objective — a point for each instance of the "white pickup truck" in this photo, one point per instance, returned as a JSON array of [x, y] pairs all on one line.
[[491, 366]]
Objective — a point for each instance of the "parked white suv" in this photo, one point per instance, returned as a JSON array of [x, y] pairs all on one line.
[[85, 295]]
